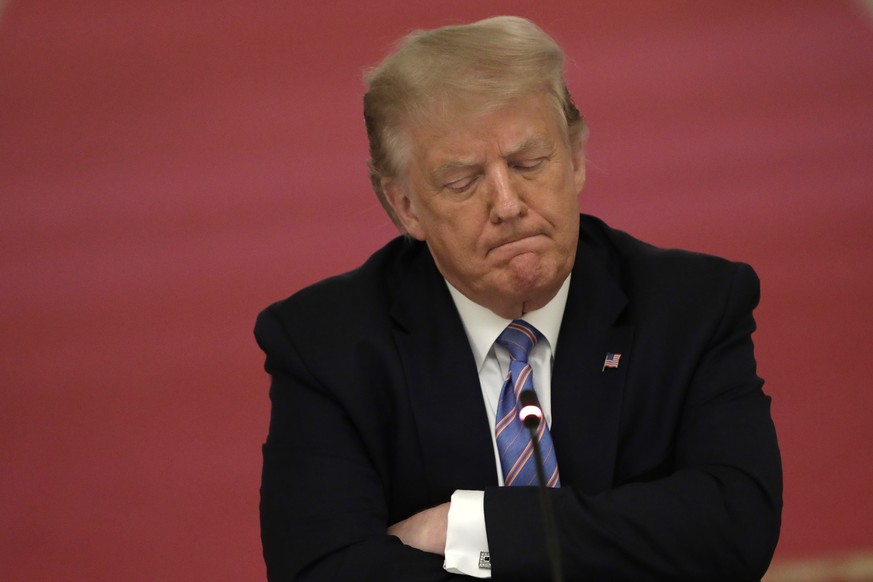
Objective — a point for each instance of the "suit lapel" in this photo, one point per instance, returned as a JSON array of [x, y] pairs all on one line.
[[586, 398], [443, 384], [442, 380]]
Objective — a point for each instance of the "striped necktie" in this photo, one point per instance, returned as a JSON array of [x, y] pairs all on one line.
[[513, 439]]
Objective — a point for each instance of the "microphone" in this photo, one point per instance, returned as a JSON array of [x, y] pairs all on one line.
[[531, 415]]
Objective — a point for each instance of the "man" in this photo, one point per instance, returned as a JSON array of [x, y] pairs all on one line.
[[386, 456]]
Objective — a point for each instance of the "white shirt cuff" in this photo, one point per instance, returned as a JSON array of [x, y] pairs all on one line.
[[466, 537]]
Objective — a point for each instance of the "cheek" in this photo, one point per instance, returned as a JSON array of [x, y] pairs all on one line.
[[563, 216], [459, 243], [459, 224]]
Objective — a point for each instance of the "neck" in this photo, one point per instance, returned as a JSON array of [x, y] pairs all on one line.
[[515, 308]]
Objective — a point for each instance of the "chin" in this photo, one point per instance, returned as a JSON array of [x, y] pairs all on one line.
[[531, 271]]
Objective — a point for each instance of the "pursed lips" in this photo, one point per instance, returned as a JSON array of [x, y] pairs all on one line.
[[513, 241]]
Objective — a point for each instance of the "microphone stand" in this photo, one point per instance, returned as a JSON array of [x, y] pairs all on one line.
[[531, 415]]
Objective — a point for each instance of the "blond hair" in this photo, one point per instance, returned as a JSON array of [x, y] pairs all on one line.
[[476, 66]]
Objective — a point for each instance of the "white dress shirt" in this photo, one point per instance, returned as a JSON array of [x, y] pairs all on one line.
[[466, 538]]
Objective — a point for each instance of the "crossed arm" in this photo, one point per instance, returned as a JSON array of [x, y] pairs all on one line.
[[714, 515], [425, 530]]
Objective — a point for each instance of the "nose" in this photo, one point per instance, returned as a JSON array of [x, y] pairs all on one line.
[[505, 199]]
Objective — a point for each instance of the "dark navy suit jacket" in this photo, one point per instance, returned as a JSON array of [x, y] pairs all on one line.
[[669, 463]]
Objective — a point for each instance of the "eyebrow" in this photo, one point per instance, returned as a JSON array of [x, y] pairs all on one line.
[[449, 166], [530, 143], [527, 145]]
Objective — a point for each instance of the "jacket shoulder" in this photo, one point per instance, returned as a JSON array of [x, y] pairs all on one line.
[[350, 305], [666, 285], [640, 262], [364, 285]]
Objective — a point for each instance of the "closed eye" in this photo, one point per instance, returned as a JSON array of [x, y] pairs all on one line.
[[461, 185], [525, 165]]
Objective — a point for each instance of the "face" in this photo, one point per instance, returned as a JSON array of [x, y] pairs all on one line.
[[495, 197]]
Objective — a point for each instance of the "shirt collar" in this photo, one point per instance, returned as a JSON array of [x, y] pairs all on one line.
[[483, 326]]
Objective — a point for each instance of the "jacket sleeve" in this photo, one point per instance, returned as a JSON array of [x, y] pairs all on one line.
[[323, 506], [714, 516]]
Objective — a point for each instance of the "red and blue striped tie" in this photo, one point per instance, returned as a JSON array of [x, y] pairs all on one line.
[[513, 439]]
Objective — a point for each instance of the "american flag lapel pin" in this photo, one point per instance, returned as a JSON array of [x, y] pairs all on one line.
[[611, 361]]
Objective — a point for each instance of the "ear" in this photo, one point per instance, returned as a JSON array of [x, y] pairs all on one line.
[[579, 166], [404, 207]]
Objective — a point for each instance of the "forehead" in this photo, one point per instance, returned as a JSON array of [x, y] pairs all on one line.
[[448, 137]]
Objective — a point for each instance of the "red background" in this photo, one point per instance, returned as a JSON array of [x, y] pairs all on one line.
[[168, 168]]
